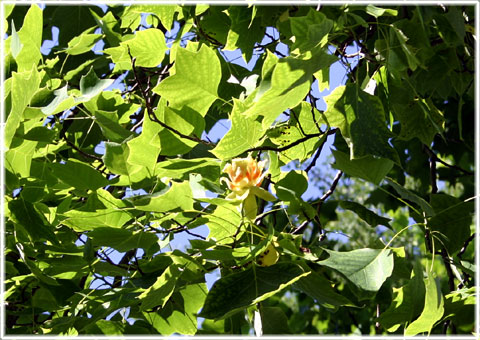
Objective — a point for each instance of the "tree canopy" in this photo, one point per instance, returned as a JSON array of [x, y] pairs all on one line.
[[314, 209]]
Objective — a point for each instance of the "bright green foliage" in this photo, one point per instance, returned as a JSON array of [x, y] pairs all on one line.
[[120, 122]]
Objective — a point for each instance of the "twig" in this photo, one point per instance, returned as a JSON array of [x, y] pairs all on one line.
[[316, 156], [181, 228], [313, 106], [330, 191], [465, 245], [73, 146], [291, 145], [332, 188], [117, 280], [435, 157]]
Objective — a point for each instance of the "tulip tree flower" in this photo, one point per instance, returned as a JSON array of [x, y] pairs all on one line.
[[245, 177]]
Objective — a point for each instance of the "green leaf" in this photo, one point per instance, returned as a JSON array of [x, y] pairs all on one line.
[[361, 119], [368, 168], [179, 314], [460, 306], [407, 301], [61, 102], [365, 268], [30, 36], [91, 85], [121, 239], [432, 311], [291, 80], [34, 268], [111, 129], [321, 290], [409, 195], [245, 30], [245, 132], [412, 60], [310, 30], [240, 290], [177, 197], [365, 214], [164, 12], [451, 222], [44, 299], [378, 12], [24, 213], [195, 82], [291, 185], [274, 321], [148, 47], [82, 43], [110, 328], [418, 118], [18, 159], [101, 210], [115, 158], [15, 45], [302, 122], [262, 194], [107, 23], [180, 169], [157, 295], [24, 86], [79, 175], [224, 222]]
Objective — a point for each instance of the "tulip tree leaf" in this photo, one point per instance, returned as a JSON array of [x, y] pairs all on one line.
[[361, 119], [30, 36], [452, 220], [79, 175], [365, 214], [25, 214], [244, 32], [321, 290], [291, 80], [243, 135], [90, 85], [432, 311], [122, 239], [179, 314], [368, 168], [15, 45], [82, 43], [24, 86], [177, 197], [141, 47], [407, 301], [61, 102], [409, 195], [159, 293], [365, 268], [195, 82], [240, 290]]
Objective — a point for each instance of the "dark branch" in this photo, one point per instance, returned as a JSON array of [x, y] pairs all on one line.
[[435, 157], [465, 245], [291, 145]]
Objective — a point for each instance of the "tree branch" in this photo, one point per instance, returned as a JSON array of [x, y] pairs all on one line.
[[456, 167], [291, 145]]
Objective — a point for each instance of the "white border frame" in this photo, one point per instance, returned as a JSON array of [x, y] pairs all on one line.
[[244, 2]]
